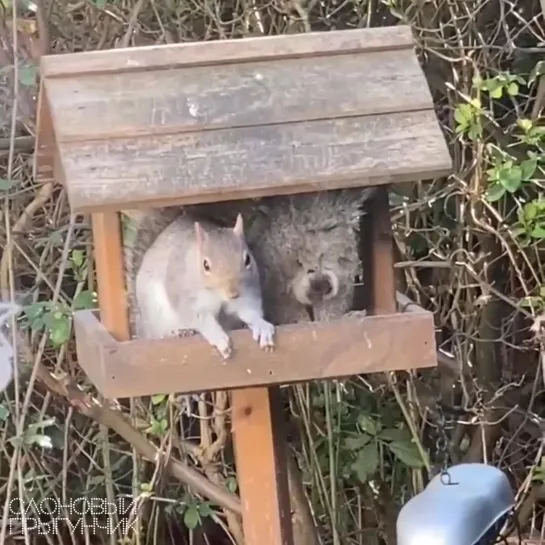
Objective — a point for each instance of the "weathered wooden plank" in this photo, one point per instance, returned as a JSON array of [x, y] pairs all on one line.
[[228, 51], [260, 458], [259, 93], [316, 351], [253, 161], [45, 147]]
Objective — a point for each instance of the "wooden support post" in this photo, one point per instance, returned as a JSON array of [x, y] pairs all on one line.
[[109, 273], [260, 452], [108, 257], [381, 275]]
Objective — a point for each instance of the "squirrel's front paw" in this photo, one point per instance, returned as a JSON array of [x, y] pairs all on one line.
[[225, 347], [263, 333]]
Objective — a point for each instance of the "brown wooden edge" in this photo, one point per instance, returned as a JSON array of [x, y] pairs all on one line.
[[335, 42], [80, 204], [45, 148], [305, 352]]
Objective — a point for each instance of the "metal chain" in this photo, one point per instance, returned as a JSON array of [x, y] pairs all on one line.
[[441, 444]]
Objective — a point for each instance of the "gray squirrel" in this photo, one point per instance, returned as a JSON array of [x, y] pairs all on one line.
[[304, 246], [186, 274]]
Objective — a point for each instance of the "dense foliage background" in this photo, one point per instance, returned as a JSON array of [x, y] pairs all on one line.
[[469, 248]]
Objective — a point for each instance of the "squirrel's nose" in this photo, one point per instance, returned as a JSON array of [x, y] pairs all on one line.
[[319, 287], [232, 293]]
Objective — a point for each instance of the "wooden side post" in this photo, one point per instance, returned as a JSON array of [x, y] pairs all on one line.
[[109, 275], [260, 452], [381, 274]]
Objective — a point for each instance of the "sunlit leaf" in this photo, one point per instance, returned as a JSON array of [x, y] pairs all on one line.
[[495, 192], [191, 517]]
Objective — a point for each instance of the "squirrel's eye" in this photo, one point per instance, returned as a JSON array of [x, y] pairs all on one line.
[[247, 259], [206, 265]]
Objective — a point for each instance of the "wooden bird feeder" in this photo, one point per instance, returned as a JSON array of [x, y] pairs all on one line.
[[222, 120]]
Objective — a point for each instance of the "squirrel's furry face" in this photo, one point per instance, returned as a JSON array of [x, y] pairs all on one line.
[[327, 274], [311, 287], [225, 263]]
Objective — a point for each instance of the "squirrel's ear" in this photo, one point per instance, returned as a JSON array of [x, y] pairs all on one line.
[[239, 226]]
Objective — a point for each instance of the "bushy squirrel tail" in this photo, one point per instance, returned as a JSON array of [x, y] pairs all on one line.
[[140, 229]]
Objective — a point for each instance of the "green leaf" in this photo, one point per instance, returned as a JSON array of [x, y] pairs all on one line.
[[459, 116], [530, 301], [41, 440], [85, 300], [396, 435], [231, 484], [60, 332], [6, 185], [34, 310], [497, 92], [366, 462], [367, 424], [146, 490], [158, 427], [37, 324], [525, 124], [41, 424], [4, 413], [357, 442], [407, 453], [529, 211], [475, 132], [513, 89], [27, 74], [495, 192], [538, 232], [528, 167], [205, 510], [158, 398], [191, 517], [77, 257], [511, 179], [491, 84]]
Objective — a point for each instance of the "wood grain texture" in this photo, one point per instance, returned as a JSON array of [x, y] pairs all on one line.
[[239, 95], [260, 458], [305, 352], [249, 162], [45, 146], [228, 51]]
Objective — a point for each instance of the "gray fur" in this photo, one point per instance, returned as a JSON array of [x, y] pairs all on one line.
[[287, 235]]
